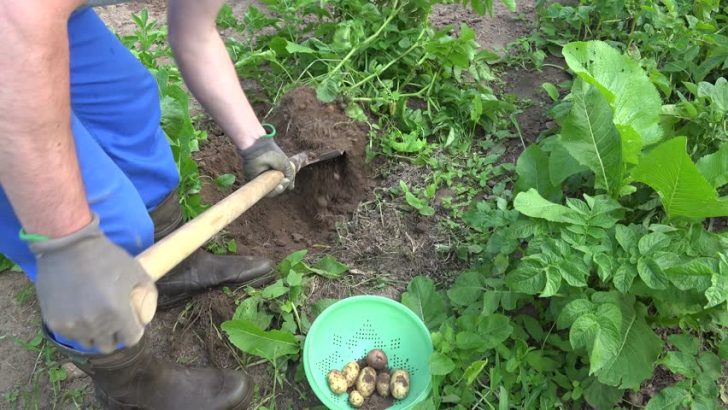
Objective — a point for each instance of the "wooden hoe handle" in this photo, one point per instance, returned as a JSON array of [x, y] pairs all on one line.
[[176, 247]]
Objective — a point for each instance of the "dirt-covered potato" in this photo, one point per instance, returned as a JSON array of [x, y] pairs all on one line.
[[377, 359], [383, 384], [337, 382], [366, 383], [399, 386], [356, 399], [351, 372]]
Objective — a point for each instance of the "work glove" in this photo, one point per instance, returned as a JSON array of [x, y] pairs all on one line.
[[265, 155], [84, 285]]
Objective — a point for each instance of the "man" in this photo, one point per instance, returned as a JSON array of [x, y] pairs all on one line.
[[87, 181]]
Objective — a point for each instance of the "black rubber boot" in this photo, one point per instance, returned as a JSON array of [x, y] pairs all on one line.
[[132, 379], [202, 270]]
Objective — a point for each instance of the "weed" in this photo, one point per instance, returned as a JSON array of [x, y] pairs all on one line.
[[272, 323]]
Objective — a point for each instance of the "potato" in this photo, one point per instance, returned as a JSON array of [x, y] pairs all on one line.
[[366, 383], [351, 372], [377, 359], [383, 384], [337, 382], [356, 399], [399, 385]]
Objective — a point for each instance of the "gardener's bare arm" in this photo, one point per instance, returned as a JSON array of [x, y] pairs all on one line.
[[39, 170], [207, 69]]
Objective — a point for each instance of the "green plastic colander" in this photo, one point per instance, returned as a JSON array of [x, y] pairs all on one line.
[[347, 330]]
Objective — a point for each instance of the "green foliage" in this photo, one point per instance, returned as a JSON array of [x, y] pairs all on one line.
[[679, 44], [271, 323], [418, 83], [588, 265], [684, 191], [149, 45], [8, 265]]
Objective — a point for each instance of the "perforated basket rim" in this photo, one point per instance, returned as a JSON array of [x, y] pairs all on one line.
[[307, 345]]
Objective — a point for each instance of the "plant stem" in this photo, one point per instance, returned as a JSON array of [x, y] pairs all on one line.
[[409, 50], [366, 42], [298, 318]]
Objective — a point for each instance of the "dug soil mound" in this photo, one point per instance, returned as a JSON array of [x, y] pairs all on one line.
[[324, 193]]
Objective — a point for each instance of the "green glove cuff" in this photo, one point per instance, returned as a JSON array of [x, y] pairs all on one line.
[[29, 237], [271, 133]]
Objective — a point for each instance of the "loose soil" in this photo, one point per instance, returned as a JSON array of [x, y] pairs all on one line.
[[325, 193]]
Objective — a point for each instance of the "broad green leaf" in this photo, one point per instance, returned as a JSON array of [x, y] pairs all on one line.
[[532, 204], [669, 398], [467, 340], [537, 360], [711, 365], [606, 340], [297, 48], [473, 371], [173, 117], [533, 172], [639, 348], [602, 397], [590, 136], [275, 290], [493, 330], [717, 292], [467, 289], [421, 297], [604, 266], [718, 93], [329, 267], [533, 327], [651, 273], [695, 274], [705, 394], [669, 170], [251, 339], [553, 283], [248, 310], [624, 276], [329, 89], [574, 272], [626, 236], [491, 301], [685, 343], [653, 242], [562, 165], [441, 365], [291, 261], [551, 90], [584, 331], [714, 167], [225, 181], [511, 4], [572, 311], [723, 349], [527, 278], [294, 278], [682, 363], [634, 99]]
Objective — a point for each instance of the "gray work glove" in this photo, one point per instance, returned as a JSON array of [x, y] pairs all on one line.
[[264, 155], [84, 286]]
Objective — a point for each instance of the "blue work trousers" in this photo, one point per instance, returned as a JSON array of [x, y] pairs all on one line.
[[126, 161]]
